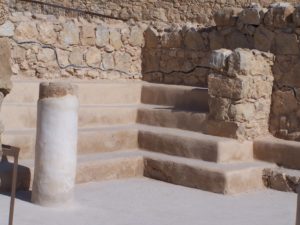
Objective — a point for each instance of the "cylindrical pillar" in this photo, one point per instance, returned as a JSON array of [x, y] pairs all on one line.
[[298, 208], [56, 145]]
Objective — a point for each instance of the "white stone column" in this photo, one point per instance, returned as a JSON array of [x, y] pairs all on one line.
[[298, 208], [56, 145]]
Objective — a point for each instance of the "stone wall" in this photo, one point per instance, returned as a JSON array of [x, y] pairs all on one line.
[[45, 46], [275, 30], [240, 88], [175, 11]]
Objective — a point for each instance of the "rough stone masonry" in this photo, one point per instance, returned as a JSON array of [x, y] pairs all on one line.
[[240, 89]]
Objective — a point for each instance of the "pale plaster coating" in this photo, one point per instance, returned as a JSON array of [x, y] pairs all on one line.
[[56, 150]]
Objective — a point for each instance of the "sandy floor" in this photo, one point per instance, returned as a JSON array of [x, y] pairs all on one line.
[[148, 202]]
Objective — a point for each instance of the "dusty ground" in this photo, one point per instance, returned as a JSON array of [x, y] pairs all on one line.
[[148, 202]]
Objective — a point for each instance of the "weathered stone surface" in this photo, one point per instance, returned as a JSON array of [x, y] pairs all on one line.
[[76, 56], [3, 13], [247, 62], [193, 39], [63, 57], [286, 44], [279, 14], [263, 39], [26, 31], [46, 55], [87, 35], [171, 39], [93, 57], [70, 34], [136, 37], [115, 39], [5, 66], [123, 61], [296, 16], [108, 62], [219, 59], [252, 15], [47, 35], [240, 93], [226, 16], [151, 37], [102, 36], [237, 39], [216, 40], [7, 29]]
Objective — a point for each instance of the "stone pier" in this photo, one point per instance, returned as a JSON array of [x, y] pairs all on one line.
[[56, 145], [240, 89]]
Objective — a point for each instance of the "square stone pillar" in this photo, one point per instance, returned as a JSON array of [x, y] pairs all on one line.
[[240, 89]]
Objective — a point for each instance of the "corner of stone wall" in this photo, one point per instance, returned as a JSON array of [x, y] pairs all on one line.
[[240, 88]]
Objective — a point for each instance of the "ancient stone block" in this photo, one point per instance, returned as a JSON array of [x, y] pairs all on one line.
[[62, 57], [26, 31], [46, 55], [252, 15], [171, 39], [5, 67], [102, 36], [216, 40], [286, 44], [93, 57], [279, 14], [123, 61], [250, 62], [193, 39], [70, 34], [76, 56], [237, 39], [47, 34], [115, 38], [108, 62], [136, 37], [296, 16], [263, 39], [87, 35], [219, 59], [151, 37], [226, 16], [7, 29]]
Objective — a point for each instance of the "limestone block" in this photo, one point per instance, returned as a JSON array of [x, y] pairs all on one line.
[[171, 39], [237, 39], [76, 56], [252, 15], [193, 39], [136, 37], [93, 57], [219, 59], [108, 62], [102, 36], [5, 66], [87, 35], [296, 15], [263, 39], [46, 55], [279, 14], [151, 37], [63, 57], [115, 38], [7, 29], [216, 40], [286, 44], [26, 31], [250, 62], [226, 16], [4, 12], [123, 61], [47, 34], [70, 34]]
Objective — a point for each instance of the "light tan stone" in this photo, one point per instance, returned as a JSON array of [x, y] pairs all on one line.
[[26, 31], [93, 57], [87, 35], [70, 34], [47, 35], [115, 38]]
